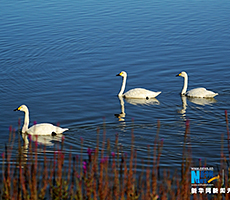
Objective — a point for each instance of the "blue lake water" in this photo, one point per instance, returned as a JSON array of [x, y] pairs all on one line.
[[60, 58]]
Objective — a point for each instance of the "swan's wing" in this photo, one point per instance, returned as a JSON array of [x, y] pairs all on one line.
[[197, 92], [201, 93], [140, 93], [45, 129]]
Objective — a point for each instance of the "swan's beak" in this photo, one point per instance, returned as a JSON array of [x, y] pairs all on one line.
[[119, 74], [178, 74], [17, 109]]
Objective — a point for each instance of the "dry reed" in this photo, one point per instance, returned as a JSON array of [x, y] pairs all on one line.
[[106, 173]]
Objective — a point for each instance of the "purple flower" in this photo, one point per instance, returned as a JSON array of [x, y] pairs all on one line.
[[84, 166], [35, 122], [105, 159], [102, 160], [10, 129], [89, 151], [113, 154]]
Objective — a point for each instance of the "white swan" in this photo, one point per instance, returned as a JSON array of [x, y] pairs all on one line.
[[38, 129], [197, 92], [137, 92]]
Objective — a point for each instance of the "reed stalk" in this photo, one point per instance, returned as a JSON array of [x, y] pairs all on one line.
[[107, 173]]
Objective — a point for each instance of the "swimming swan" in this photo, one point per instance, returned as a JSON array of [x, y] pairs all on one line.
[[137, 92], [38, 129], [197, 92]]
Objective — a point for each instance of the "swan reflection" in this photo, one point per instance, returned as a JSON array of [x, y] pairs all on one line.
[[184, 106], [198, 101], [121, 116], [152, 101], [202, 101], [46, 140]]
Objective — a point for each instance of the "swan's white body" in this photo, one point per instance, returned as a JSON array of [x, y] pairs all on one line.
[[197, 92], [38, 129], [137, 92]]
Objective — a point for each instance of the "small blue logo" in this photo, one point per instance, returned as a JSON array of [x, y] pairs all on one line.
[[202, 175]]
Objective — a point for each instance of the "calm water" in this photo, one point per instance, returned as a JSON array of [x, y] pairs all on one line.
[[60, 58]]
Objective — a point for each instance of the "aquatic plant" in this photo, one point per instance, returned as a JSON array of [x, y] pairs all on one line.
[[105, 173]]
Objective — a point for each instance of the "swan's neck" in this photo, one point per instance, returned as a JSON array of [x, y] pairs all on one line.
[[26, 122], [185, 85], [123, 86]]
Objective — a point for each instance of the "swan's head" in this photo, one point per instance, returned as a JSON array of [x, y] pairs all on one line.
[[182, 74], [122, 73], [22, 108]]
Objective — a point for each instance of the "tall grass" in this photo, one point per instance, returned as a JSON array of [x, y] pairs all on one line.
[[106, 172]]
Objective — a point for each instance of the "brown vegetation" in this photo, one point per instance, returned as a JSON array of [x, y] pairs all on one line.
[[107, 173]]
